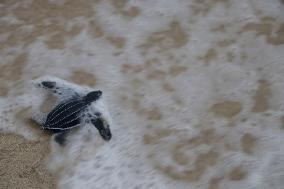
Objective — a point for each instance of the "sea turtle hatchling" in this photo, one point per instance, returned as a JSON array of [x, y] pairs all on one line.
[[72, 110]]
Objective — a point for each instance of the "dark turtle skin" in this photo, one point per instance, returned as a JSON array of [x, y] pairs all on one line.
[[65, 116], [71, 112]]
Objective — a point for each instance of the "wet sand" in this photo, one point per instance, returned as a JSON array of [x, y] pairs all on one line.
[[23, 163], [195, 90]]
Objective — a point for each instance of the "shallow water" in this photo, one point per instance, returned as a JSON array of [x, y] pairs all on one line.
[[194, 88]]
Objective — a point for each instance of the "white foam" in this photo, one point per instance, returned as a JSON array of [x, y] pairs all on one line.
[[89, 162]]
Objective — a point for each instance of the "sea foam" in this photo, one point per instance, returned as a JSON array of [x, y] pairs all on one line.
[[183, 82]]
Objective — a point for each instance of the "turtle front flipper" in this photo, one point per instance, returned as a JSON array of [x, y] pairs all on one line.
[[48, 84], [61, 89], [103, 128]]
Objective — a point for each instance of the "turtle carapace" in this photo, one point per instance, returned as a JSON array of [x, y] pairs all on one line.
[[73, 110]]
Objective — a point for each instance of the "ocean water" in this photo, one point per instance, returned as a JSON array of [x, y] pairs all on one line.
[[194, 89]]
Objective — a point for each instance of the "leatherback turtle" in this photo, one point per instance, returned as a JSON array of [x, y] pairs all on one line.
[[73, 109]]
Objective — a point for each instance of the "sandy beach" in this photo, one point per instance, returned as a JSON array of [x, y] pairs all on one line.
[[194, 89], [23, 163]]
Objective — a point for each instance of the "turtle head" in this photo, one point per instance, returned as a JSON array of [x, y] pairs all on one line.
[[103, 128], [92, 96]]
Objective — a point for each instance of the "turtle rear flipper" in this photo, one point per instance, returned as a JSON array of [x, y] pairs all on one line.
[[60, 137]]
